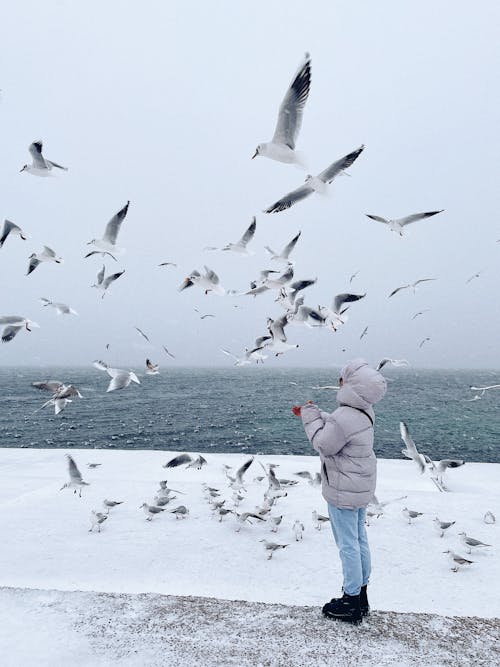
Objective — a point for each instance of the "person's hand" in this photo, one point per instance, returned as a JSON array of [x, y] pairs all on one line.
[[296, 410]]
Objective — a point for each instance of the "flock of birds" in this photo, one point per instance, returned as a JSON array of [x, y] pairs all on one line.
[[226, 503]]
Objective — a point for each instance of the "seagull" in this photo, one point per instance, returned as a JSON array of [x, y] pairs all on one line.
[[410, 286], [476, 275], [441, 526], [398, 224], [75, 477], [245, 517], [420, 312], [241, 245], [393, 362], [60, 308], [47, 255], [178, 461], [353, 276], [40, 166], [271, 547], [108, 242], [96, 519], [365, 331], [13, 324], [11, 228], [282, 145], [244, 360], [484, 389], [489, 518], [456, 560], [49, 385], [142, 334], [379, 507], [223, 511], [119, 378], [198, 463], [62, 396], [298, 529], [236, 483], [411, 450], [288, 295], [92, 466], [410, 514], [305, 474], [273, 283], [319, 520], [437, 469], [284, 255], [168, 264], [315, 183], [161, 501], [470, 543], [274, 483], [209, 282], [180, 512], [109, 504], [151, 369], [151, 510], [167, 352], [275, 521], [104, 283], [335, 314], [424, 340]]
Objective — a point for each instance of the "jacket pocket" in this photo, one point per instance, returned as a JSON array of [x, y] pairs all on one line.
[[325, 472]]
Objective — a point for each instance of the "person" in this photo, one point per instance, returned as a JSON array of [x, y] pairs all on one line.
[[344, 440]]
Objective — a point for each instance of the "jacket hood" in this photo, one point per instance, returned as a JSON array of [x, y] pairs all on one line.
[[362, 386]]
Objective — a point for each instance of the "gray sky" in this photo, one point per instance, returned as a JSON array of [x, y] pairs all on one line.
[[164, 103]]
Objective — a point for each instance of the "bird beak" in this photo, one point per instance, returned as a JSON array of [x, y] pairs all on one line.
[[62, 487], [22, 169], [255, 154]]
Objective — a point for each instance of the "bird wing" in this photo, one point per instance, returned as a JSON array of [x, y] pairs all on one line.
[[229, 354], [242, 470], [411, 449], [422, 280], [113, 226], [249, 233], [167, 352], [35, 150], [382, 363], [11, 332], [34, 262], [100, 365], [292, 107], [257, 290], [328, 174], [142, 334], [286, 276], [299, 285], [150, 365], [378, 218], [449, 463], [74, 473], [48, 251], [55, 164], [52, 385], [259, 342], [178, 461], [416, 216], [340, 299], [290, 199], [119, 379], [111, 279], [285, 253], [398, 289], [8, 227], [211, 276]]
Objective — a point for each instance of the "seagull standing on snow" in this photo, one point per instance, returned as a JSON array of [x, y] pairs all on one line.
[[271, 547], [151, 510], [40, 166], [442, 526], [110, 504], [282, 145], [397, 225], [47, 255], [456, 560], [60, 308], [471, 543], [315, 183], [319, 520], [97, 519], [11, 228], [298, 530], [107, 244], [410, 514], [75, 478]]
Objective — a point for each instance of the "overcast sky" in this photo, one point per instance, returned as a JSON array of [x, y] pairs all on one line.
[[163, 104]]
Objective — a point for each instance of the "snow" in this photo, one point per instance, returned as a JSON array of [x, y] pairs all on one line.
[[47, 544]]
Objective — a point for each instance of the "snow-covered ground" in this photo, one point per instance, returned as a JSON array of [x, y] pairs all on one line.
[[46, 543]]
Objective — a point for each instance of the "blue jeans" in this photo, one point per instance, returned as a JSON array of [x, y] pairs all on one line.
[[349, 531]]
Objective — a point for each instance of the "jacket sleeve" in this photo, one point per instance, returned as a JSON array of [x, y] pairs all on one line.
[[323, 431]]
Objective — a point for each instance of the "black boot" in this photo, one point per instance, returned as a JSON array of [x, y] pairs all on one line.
[[363, 601], [345, 609]]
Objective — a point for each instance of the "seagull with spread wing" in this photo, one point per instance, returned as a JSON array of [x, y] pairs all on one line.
[[411, 450], [75, 478], [13, 324], [11, 228], [241, 245], [103, 283], [411, 286], [315, 183], [397, 225], [60, 308], [47, 255], [119, 378], [107, 244], [284, 256], [282, 145], [40, 166]]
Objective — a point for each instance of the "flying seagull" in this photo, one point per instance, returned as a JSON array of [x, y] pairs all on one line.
[[60, 308], [398, 224], [40, 166], [363, 334], [167, 352], [104, 283], [420, 312], [411, 450], [61, 397], [151, 369], [11, 228], [315, 183], [119, 378], [393, 362], [284, 255], [484, 389], [75, 477], [423, 341], [209, 282], [335, 314], [282, 145], [47, 255], [168, 264], [108, 242], [241, 245], [142, 334], [410, 286], [13, 324]]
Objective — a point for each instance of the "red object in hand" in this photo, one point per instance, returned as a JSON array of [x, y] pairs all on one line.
[[296, 410]]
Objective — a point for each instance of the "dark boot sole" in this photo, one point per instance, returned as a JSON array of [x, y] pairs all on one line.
[[344, 619]]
